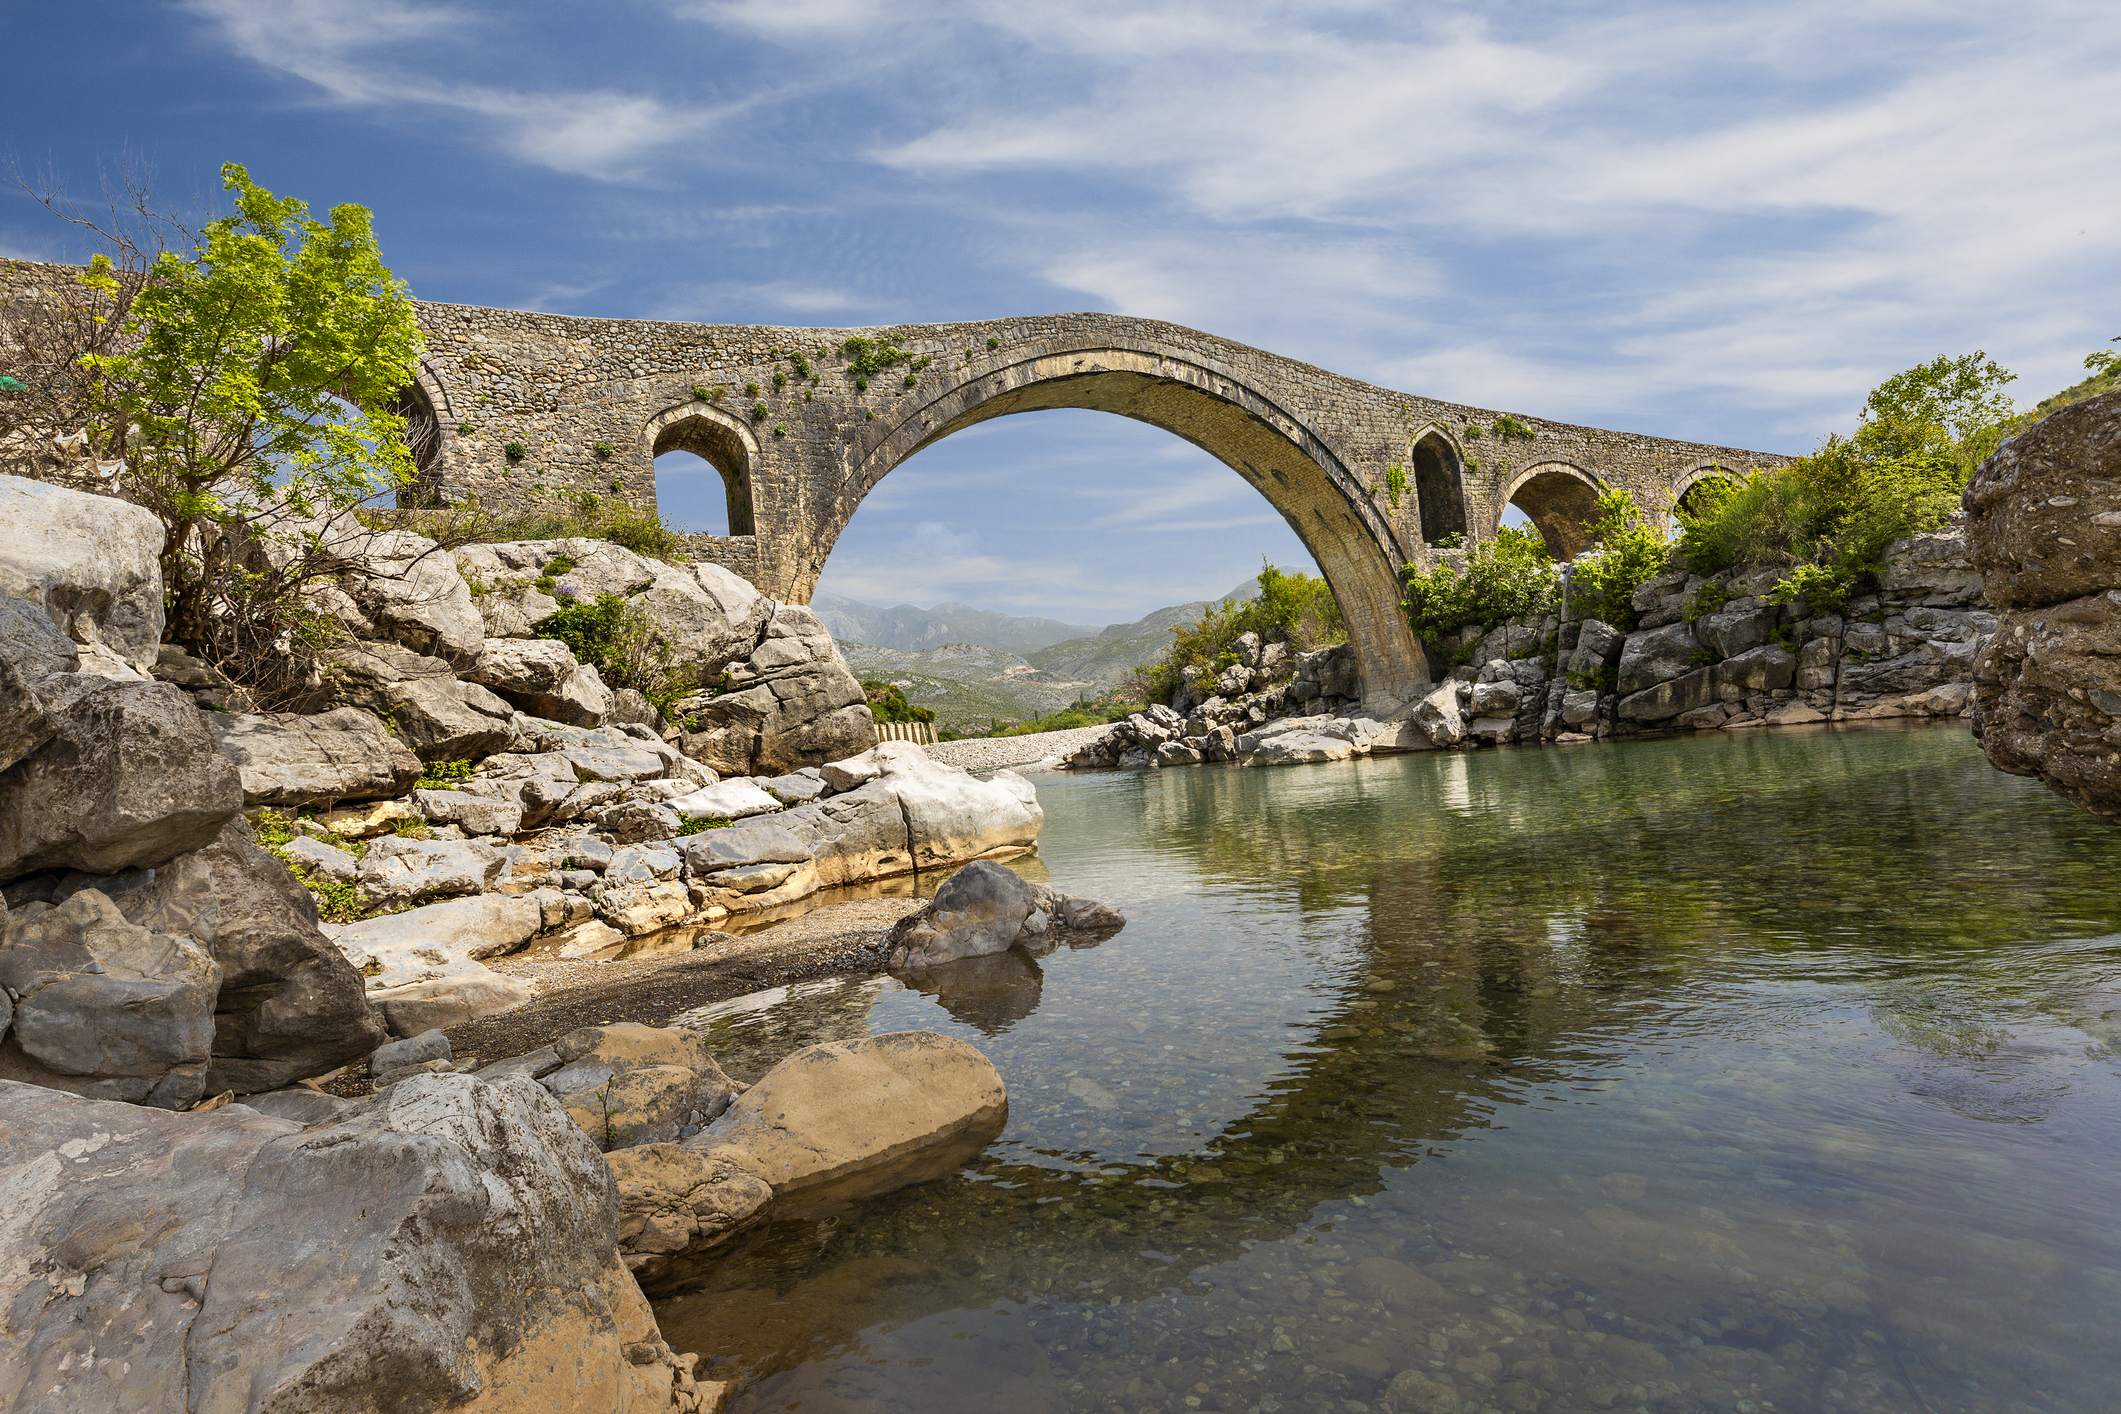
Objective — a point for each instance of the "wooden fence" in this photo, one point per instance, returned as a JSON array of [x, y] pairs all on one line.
[[922, 732]]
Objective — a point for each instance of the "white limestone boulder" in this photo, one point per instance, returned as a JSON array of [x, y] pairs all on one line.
[[541, 676], [91, 564], [726, 800], [320, 760], [400, 949]]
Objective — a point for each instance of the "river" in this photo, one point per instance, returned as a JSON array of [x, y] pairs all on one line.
[[1737, 1072]]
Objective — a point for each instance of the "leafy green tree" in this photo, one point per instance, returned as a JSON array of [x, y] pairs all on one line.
[[1508, 577], [249, 391]]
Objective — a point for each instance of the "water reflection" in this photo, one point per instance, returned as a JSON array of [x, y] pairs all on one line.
[[1691, 1075]]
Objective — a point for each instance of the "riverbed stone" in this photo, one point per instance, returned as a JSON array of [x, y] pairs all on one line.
[[675, 1202], [320, 760], [2044, 513], [401, 870], [104, 1008], [845, 1117], [979, 910], [452, 995], [646, 1105], [130, 777], [290, 1004]]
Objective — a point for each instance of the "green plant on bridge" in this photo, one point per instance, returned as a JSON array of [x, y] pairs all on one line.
[[1511, 576], [869, 356], [1510, 429], [760, 412], [800, 364], [1395, 483]]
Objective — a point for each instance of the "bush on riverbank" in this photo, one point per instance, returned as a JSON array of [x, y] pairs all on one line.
[[888, 704], [1828, 517], [1508, 577], [1297, 609]]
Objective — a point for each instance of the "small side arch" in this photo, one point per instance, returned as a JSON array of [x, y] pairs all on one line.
[[1686, 491], [1438, 474], [424, 404], [716, 438], [1561, 501]]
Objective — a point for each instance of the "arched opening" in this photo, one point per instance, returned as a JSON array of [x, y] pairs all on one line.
[[1561, 502], [1700, 486], [1439, 489], [1329, 510], [704, 437], [423, 438]]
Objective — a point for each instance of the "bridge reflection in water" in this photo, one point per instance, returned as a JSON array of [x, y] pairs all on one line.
[[1690, 1075]]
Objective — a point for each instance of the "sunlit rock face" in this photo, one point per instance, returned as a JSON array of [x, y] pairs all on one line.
[[2044, 528]]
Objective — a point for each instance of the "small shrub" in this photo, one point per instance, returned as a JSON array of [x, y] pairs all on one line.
[[911, 379], [868, 414], [861, 385], [515, 451], [409, 828], [1456, 540], [1707, 600], [994, 343], [443, 775], [690, 825], [760, 412], [710, 395], [1823, 588], [604, 451], [780, 379], [1472, 432], [1509, 429], [1297, 609], [1509, 577], [1395, 483], [1628, 552], [617, 638], [751, 390], [466, 429], [780, 429], [800, 364], [888, 704]]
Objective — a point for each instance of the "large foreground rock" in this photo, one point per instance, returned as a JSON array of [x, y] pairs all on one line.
[[130, 778], [453, 1247], [90, 564], [104, 1008], [291, 1006], [319, 760], [422, 966], [791, 703], [2044, 528], [677, 1203], [541, 676], [850, 1117]]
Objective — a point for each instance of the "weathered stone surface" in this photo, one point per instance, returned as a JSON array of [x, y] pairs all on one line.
[[675, 1202], [2044, 513], [31, 651], [443, 719], [1767, 668], [290, 1005], [794, 704], [638, 909], [89, 563], [1438, 716], [400, 870], [215, 1261], [466, 992], [399, 949], [1667, 700], [541, 676], [1302, 748], [1735, 631], [106, 1009], [131, 777], [413, 1050], [1658, 656], [979, 910], [849, 1113], [475, 815], [1932, 569], [318, 760], [727, 800], [409, 589], [1597, 649], [646, 1105], [2047, 699]]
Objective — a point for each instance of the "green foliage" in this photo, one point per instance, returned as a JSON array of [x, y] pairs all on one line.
[[994, 343], [1508, 577], [244, 384], [1830, 516], [710, 395], [2105, 369], [585, 516], [888, 704], [760, 412], [1079, 714], [780, 429], [751, 390], [1707, 600], [443, 775], [866, 357], [1472, 432], [780, 379], [1628, 550], [616, 637], [466, 429], [1456, 540], [1297, 609], [800, 364], [604, 451], [275, 829], [1395, 483], [1509, 429], [693, 825], [405, 827]]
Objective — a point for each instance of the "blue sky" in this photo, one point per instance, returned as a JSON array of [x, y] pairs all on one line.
[[1722, 222]]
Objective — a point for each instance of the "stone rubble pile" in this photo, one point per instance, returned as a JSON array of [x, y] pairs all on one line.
[[1707, 653]]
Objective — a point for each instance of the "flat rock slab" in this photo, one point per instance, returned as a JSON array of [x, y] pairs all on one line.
[[846, 1116]]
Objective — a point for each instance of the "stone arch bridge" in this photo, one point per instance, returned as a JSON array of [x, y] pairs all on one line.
[[511, 407]]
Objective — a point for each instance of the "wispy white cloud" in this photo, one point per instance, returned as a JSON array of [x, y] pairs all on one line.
[[359, 58]]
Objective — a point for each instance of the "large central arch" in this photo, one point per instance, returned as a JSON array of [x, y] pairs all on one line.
[[1330, 511]]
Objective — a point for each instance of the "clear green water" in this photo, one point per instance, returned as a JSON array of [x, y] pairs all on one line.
[[1737, 1073]]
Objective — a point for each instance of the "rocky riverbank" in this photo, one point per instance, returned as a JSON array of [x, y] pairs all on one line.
[[1706, 654]]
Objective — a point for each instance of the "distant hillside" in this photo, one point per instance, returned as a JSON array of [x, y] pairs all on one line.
[[905, 626], [967, 686], [1107, 659]]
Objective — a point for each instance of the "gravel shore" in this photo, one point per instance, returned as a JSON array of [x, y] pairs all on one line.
[[993, 753]]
